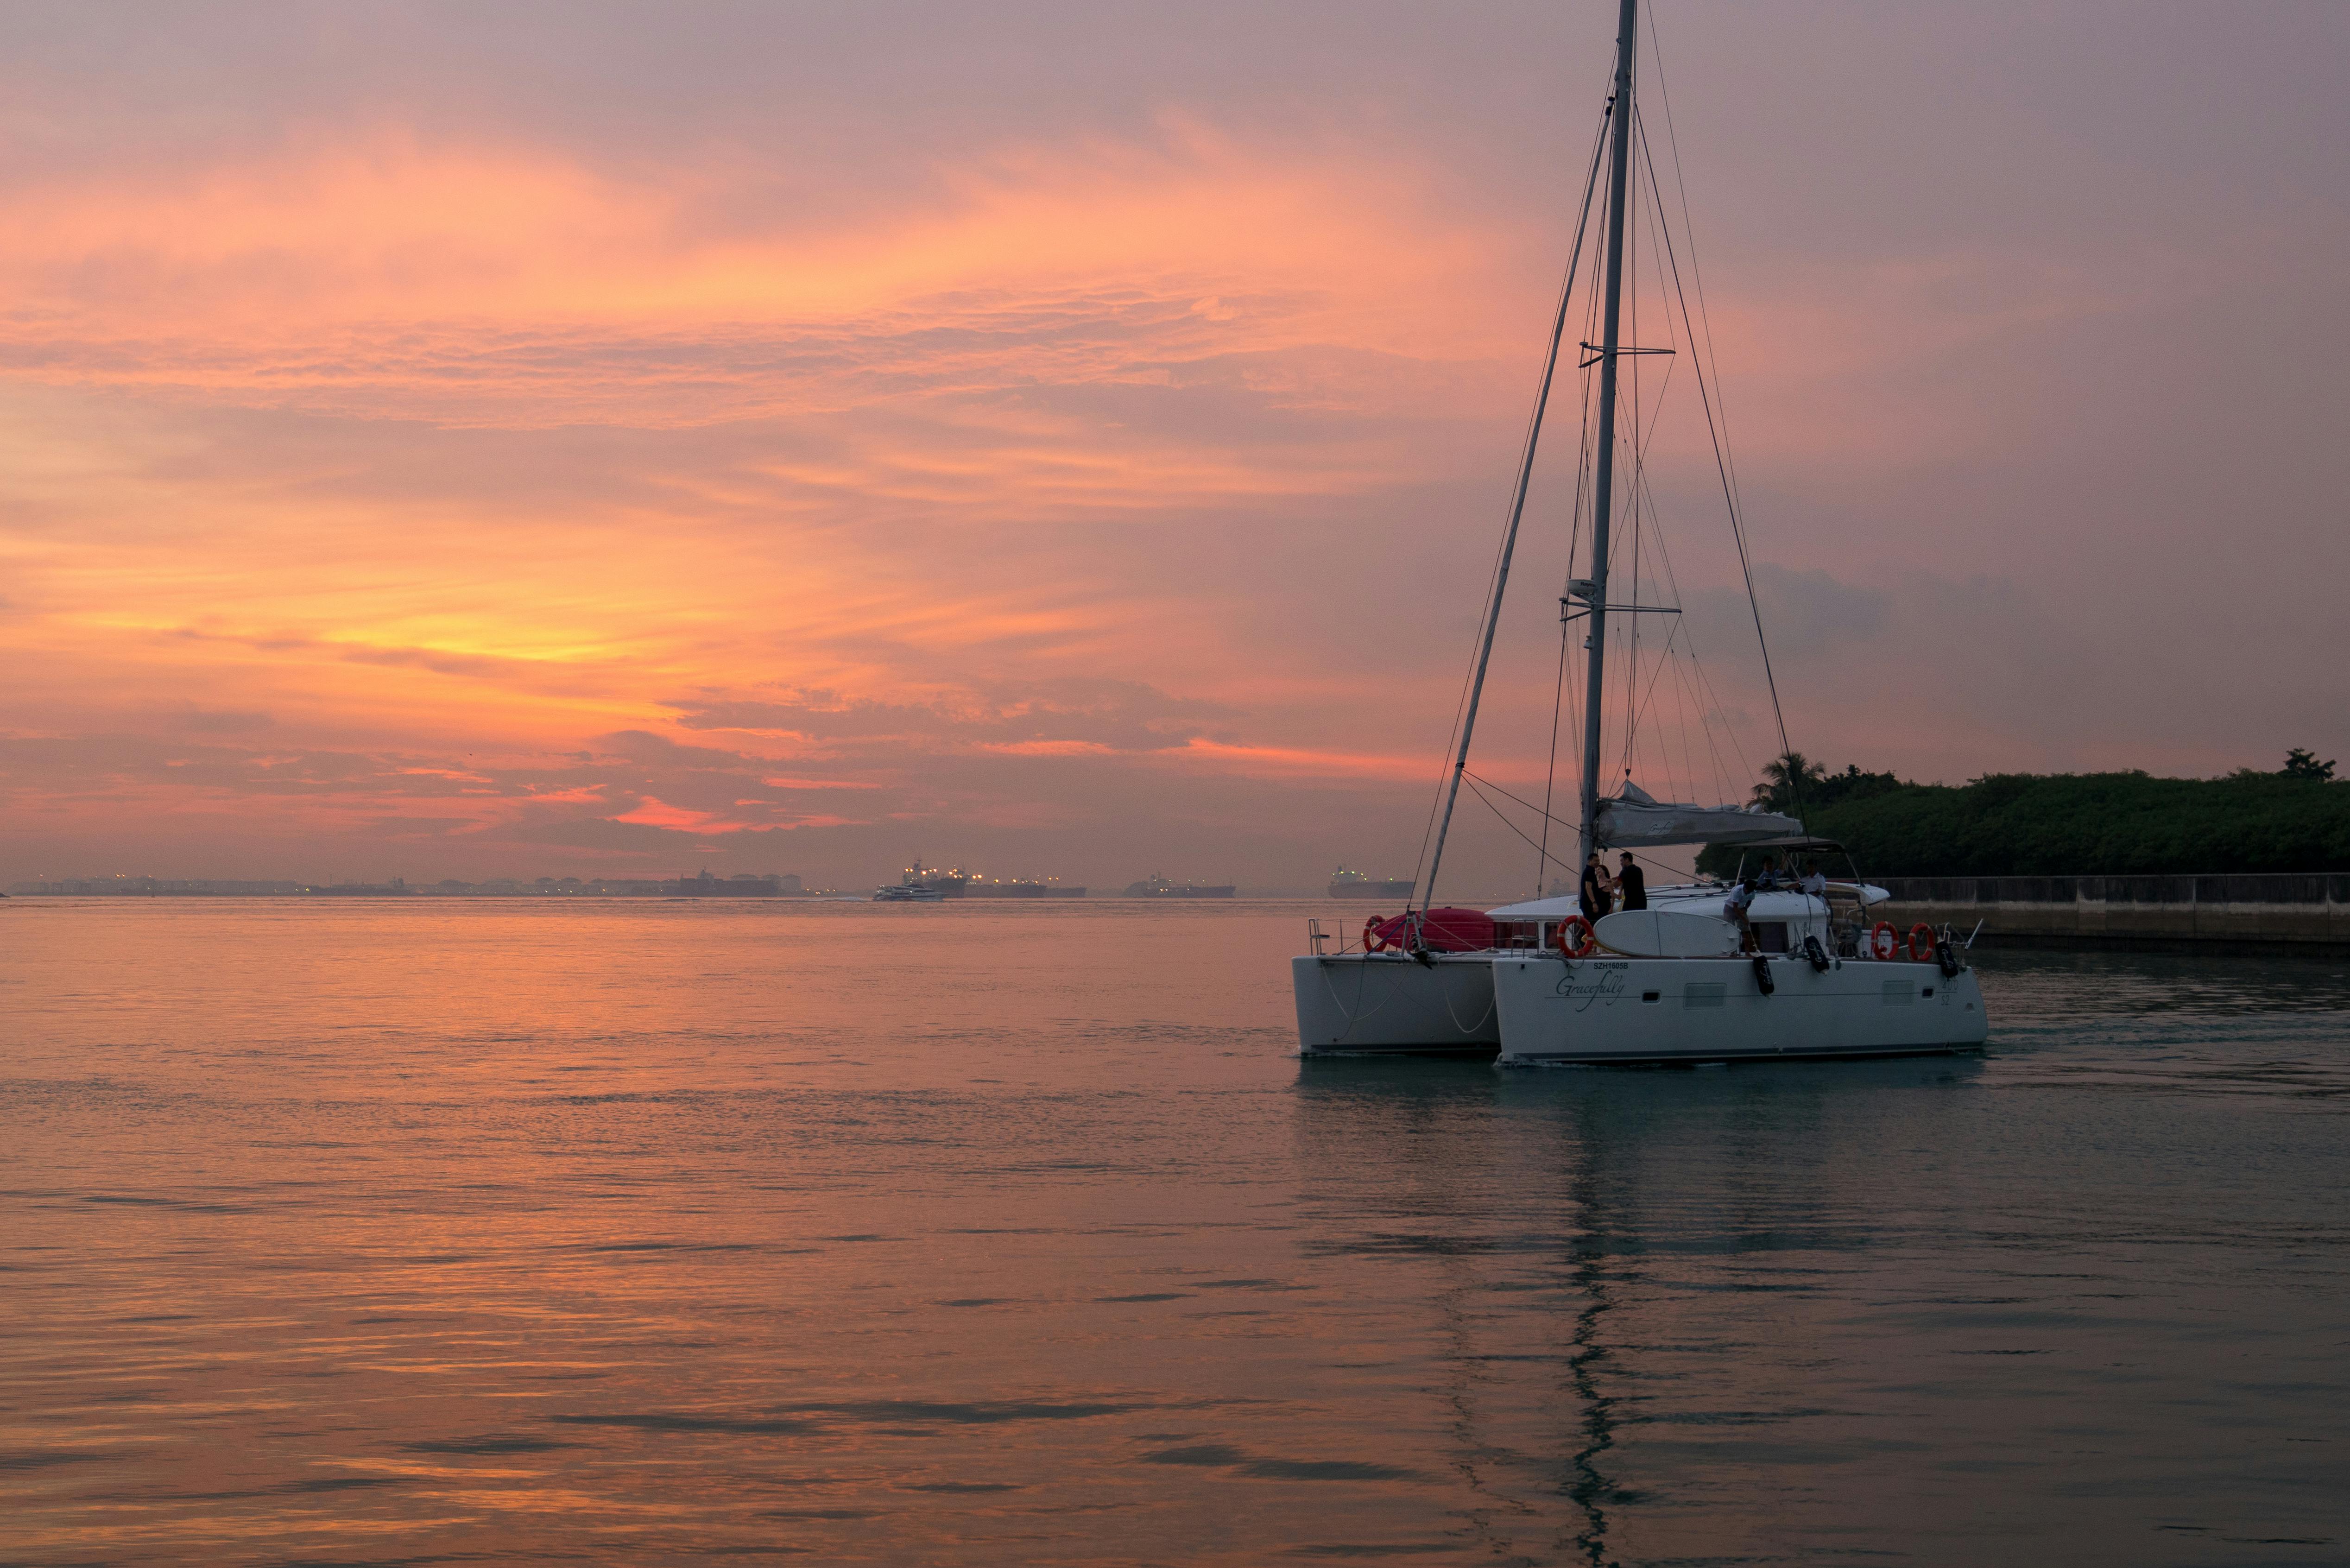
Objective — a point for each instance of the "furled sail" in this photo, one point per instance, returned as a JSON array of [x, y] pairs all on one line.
[[1634, 819]]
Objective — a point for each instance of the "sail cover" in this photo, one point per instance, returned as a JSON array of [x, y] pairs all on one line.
[[1636, 819]]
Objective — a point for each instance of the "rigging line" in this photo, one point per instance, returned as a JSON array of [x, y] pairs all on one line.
[[1477, 778], [1644, 494], [1714, 700], [1706, 350], [1645, 505], [1637, 489], [1640, 491], [1585, 503], [1514, 827], [1533, 423], [1686, 776], [1573, 538], [1565, 628], [1685, 706], [1671, 589], [1703, 354], [1702, 703], [1645, 520], [1514, 800], [1737, 521], [1518, 502], [1689, 227], [1664, 661], [1729, 492], [1542, 850], [1707, 703]]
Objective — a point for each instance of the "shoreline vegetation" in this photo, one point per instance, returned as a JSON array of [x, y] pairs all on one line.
[[2297, 819]]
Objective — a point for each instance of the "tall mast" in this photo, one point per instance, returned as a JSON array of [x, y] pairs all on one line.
[[1510, 537], [1603, 494]]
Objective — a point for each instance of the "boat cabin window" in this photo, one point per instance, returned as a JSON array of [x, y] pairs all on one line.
[[1771, 936]]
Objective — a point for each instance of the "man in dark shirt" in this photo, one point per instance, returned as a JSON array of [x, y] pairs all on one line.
[[1633, 883], [1595, 899]]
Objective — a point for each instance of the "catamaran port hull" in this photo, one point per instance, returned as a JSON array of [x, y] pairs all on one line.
[[1627, 1010], [1383, 1003]]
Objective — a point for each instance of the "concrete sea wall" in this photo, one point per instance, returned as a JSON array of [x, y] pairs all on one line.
[[2309, 913]]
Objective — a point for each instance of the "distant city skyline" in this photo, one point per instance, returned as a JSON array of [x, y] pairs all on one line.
[[460, 443]]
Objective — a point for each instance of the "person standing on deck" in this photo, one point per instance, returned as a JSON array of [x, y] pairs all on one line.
[[1597, 891], [1633, 883], [1734, 908]]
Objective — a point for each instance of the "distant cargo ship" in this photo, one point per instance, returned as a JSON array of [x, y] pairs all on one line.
[[1346, 884], [1021, 887], [1157, 887]]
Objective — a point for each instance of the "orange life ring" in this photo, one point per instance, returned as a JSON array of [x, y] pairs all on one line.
[[1921, 941], [1582, 945], [1371, 941], [1884, 942]]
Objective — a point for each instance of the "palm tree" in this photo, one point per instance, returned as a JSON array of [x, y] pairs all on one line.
[[1787, 782]]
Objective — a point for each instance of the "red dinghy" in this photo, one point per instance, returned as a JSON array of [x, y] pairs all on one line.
[[1444, 931]]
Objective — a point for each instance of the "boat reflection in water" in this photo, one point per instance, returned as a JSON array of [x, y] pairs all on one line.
[[1637, 1285]]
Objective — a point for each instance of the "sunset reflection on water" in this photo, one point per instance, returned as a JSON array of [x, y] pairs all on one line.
[[637, 1233]]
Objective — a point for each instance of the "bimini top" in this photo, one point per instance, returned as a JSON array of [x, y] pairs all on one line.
[[1796, 845]]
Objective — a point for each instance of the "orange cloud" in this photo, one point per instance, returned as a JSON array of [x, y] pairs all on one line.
[[514, 284], [656, 813]]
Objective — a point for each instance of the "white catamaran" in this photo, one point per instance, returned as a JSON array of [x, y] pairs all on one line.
[[1798, 972]]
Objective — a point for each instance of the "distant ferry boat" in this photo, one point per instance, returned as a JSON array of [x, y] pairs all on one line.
[[928, 885], [1346, 884], [1157, 887], [920, 887]]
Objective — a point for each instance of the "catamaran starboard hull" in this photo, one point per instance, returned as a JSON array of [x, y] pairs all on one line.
[[1373, 1003], [1621, 1010]]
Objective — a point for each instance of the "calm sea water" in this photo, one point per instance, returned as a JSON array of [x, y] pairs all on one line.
[[647, 1233]]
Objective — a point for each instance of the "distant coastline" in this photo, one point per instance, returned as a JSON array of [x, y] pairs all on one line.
[[704, 885], [783, 888]]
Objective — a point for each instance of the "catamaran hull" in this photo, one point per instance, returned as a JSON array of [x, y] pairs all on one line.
[[1715, 1009], [1368, 1003]]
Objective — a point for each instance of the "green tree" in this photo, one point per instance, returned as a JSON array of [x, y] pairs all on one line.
[[1850, 784], [2303, 764], [2078, 824], [1789, 782]]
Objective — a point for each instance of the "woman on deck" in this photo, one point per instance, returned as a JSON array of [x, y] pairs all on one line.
[[1598, 890]]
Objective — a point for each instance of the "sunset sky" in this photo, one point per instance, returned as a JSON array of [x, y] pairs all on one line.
[[1071, 438]]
